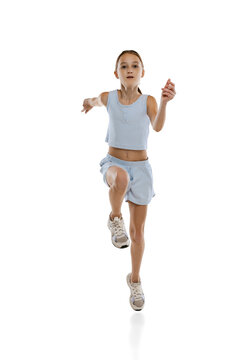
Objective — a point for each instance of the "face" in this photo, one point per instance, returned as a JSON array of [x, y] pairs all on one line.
[[129, 70]]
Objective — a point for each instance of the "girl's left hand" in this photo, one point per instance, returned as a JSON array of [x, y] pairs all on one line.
[[168, 92]]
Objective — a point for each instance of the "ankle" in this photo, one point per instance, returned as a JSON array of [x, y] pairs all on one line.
[[135, 279], [112, 216]]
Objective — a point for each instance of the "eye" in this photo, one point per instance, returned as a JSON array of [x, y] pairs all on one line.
[[123, 66]]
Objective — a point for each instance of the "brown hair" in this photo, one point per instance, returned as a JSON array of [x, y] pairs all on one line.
[[129, 52]]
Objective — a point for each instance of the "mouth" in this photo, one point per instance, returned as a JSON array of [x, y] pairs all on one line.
[[129, 77]]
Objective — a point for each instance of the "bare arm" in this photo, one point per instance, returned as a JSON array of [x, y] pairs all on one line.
[[95, 101], [89, 103], [160, 117], [152, 110]]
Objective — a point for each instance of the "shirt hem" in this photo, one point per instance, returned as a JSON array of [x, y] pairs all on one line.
[[126, 147]]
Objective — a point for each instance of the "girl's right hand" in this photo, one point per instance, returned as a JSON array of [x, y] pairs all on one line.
[[87, 105]]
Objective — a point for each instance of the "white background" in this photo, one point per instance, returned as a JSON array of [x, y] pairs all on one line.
[[63, 284]]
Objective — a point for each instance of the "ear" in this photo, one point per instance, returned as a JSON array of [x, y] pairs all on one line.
[[116, 74], [143, 73]]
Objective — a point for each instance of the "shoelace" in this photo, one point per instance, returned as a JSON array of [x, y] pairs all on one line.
[[136, 291], [118, 227]]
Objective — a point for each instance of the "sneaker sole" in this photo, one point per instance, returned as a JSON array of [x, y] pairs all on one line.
[[120, 247]]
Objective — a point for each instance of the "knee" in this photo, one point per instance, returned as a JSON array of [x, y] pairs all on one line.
[[137, 236], [121, 180]]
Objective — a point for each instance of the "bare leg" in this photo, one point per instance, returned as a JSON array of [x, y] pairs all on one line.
[[118, 179], [137, 250], [138, 215]]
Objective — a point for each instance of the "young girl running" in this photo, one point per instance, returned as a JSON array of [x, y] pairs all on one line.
[[126, 169]]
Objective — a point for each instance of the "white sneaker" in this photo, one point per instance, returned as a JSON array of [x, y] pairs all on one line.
[[137, 298], [118, 232]]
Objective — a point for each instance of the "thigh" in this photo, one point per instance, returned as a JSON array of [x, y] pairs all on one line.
[[138, 214], [116, 171]]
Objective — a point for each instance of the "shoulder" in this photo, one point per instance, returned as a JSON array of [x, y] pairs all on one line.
[[151, 102], [104, 97], [152, 108]]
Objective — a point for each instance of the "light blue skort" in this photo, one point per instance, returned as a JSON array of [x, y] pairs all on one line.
[[140, 187]]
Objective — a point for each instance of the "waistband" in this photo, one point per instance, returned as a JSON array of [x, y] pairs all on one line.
[[128, 163]]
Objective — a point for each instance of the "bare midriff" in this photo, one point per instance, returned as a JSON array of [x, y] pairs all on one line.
[[128, 155]]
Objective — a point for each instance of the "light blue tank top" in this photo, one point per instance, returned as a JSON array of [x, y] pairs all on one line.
[[128, 126]]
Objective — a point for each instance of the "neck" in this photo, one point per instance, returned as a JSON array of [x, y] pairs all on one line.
[[129, 93]]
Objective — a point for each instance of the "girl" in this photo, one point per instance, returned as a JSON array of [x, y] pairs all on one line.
[[126, 169]]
